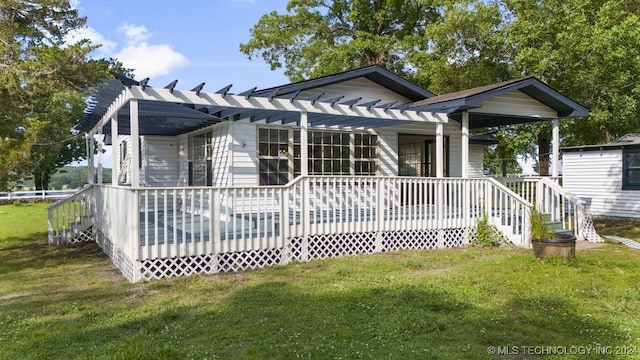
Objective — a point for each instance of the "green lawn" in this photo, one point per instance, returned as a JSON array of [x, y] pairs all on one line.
[[68, 302]]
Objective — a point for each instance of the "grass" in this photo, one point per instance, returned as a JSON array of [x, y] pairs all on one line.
[[67, 302]]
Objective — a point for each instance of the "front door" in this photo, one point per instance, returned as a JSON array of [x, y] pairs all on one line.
[[417, 155]]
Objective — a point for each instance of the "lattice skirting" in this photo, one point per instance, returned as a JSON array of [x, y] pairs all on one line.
[[300, 249]]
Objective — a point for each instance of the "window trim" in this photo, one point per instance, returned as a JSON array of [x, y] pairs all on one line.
[[625, 168]]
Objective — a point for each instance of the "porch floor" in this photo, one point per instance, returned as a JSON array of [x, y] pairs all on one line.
[[180, 226]]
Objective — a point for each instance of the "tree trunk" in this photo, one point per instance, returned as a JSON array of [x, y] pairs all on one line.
[[544, 145], [504, 167], [41, 181]]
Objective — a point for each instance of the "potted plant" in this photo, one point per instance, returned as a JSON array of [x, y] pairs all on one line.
[[546, 241]]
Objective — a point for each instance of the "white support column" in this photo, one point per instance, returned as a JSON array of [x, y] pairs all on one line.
[[439, 150], [555, 152], [90, 151], [135, 144], [304, 142], [465, 144], [100, 149], [115, 151]]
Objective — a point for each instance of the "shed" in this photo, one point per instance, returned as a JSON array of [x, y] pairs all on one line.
[[606, 175]]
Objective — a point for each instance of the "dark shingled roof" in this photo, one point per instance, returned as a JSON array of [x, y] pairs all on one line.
[[628, 140]]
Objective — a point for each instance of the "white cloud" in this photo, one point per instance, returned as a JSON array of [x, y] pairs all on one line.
[[135, 33], [107, 46], [147, 59]]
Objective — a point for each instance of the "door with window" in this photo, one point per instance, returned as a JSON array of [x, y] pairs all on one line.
[[417, 157]]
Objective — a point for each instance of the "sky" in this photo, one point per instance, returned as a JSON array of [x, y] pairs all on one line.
[[192, 41], [189, 40]]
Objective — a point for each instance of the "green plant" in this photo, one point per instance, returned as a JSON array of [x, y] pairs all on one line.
[[486, 235], [539, 227]]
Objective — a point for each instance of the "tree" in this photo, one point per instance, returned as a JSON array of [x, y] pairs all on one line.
[[41, 82], [587, 49], [317, 37]]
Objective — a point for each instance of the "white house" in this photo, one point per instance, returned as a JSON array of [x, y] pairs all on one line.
[[607, 176], [359, 161]]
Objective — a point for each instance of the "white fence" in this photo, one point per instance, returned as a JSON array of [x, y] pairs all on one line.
[[37, 194]]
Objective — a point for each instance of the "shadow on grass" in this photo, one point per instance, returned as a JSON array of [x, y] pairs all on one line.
[[39, 254], [278, 320]]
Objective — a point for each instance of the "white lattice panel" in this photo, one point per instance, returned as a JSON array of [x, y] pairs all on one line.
[[410, 239], [86, 235], [245, 260], [177, 266], [453, 237], [588, 231], [328, 246]]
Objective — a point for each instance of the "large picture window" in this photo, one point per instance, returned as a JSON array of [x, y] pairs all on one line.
[[330, 153], [631, 169]]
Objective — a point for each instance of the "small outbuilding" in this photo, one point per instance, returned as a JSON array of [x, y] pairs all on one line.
[[607, 176]]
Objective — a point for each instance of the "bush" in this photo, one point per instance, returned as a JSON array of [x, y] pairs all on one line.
[[486, 235]]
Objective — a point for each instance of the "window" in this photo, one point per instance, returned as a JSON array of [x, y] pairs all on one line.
[[200, 165], [330, 153], [278, 158], [631, 169]]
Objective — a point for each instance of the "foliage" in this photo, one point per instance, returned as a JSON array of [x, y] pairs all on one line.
[[586, 49], [445, 304], [539, 227], [42, 84], [486, 235], [317, 37]]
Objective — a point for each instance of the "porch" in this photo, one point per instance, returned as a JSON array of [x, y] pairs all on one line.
[[152, 233]]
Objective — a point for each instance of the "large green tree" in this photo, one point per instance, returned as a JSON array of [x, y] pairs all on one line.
[[587, 49], [42, 82]]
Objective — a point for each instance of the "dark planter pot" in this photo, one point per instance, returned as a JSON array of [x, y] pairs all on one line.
[[563, 245]]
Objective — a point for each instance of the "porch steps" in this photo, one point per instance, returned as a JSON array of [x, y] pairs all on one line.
[[556, 226]]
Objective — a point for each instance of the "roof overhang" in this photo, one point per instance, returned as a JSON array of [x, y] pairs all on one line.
[[474, 100]]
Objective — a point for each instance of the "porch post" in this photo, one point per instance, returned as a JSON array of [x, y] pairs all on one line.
[[555, 157], [91, 149], [100, 146], [439, 150], [465, 144], [115, 151], [304, 142], [135, 144]]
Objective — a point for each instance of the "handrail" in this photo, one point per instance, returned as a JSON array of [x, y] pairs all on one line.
[[510, 192], [69, 216]]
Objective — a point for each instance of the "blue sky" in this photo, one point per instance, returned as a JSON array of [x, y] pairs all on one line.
[[192, 41]]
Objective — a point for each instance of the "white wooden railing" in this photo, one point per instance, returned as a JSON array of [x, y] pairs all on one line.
[[68, 218], [560, 205], [167, 223]]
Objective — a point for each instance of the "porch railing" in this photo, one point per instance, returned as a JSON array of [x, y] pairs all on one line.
[[69, 218], [168, 223], [560, 205]]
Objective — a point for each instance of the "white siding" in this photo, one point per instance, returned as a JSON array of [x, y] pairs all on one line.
[[476, 159], [243, 167], [596, 176], [360, 87], [516, 103], [221, 140], [183, 161], [160, 161], [388, 156]]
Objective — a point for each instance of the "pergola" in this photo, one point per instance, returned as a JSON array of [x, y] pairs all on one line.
[[126, 107]]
